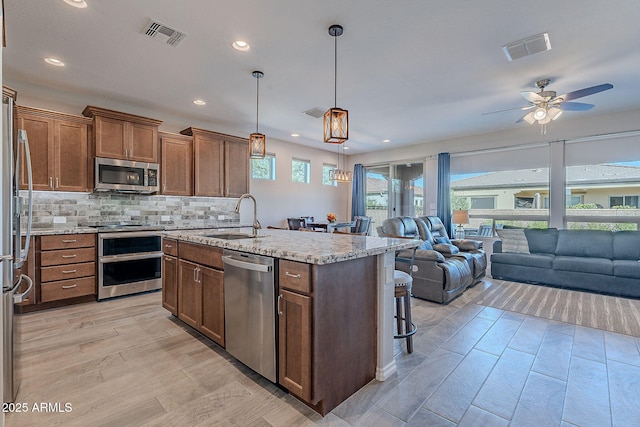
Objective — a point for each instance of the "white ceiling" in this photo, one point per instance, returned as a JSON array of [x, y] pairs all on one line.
[[410, 71]]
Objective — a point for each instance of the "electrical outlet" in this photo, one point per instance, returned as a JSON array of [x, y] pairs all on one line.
[[165, 218], [59, 219], [221, 217]]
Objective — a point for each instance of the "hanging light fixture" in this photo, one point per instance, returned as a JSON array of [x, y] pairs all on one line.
[[341, 174], [336, 120], [257, 141]]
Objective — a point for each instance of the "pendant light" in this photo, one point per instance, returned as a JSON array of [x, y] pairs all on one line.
[[257, 141], [341, 174], [336, 120]]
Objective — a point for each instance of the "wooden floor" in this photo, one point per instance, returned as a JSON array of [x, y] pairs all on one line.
[[127, 362]]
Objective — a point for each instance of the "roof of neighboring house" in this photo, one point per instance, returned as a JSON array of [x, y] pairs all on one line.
[[379, 185], [576, 175]]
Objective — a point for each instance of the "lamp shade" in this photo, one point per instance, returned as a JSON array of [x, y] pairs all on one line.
[[460, 217]]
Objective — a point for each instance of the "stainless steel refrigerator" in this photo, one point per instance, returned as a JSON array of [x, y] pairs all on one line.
[[14, 253]]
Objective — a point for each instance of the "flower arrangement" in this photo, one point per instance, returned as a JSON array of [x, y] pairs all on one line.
[[331, 217]]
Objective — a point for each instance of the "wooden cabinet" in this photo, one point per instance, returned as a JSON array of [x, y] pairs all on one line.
[[220, 162], [176, 164], [236, 167], [201, 289], [67, 266], [170, 276], [327, 321], [60, 155], [124, 136]]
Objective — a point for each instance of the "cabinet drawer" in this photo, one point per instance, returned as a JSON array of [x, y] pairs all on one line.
[[201, 254], [67, 241], [64, 289], [170, 247], [67, 256], [70, 271], [295, 275]]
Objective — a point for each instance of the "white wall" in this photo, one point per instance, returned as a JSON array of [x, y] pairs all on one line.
[[277, 199]]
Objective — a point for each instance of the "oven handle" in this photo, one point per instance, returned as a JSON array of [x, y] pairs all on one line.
[[129, 257]]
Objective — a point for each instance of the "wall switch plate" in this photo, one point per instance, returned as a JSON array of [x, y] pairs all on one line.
[[221, 217], [59, 219], [165, 218]]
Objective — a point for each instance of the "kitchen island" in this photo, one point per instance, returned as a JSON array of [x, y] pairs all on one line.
[[335, 304]]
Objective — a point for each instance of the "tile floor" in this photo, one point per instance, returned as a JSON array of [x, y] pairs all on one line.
[[126, 362]]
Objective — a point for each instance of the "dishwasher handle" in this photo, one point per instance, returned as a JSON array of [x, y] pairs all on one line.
[[228, 259]]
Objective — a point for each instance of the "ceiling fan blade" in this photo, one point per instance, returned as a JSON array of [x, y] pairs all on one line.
[[575, 106], [532, 97], [528, 107], [586, 91], [527, 118]]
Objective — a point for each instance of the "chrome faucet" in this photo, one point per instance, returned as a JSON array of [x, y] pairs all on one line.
[[256, 223]]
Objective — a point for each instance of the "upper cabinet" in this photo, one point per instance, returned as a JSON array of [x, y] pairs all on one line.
[[124, 136], [220, 163], [59, 148], [176, 164]]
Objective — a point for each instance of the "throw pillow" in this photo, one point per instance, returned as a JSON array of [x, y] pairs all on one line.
[[513, 240], [446, 249]]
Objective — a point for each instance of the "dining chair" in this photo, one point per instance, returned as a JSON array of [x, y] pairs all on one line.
[[295, 223], [362, 224]]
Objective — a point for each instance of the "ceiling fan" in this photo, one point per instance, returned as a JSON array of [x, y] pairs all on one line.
[[546, 106]]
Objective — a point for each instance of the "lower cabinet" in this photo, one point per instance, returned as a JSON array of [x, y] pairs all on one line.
[[200, 289], [170, 283]]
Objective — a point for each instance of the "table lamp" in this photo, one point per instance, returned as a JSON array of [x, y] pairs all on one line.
[[460, 218]]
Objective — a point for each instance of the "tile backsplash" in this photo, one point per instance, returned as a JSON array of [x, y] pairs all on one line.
[[69, 210]]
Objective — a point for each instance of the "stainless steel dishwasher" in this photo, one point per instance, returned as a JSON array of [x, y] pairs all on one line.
[[249, 311]]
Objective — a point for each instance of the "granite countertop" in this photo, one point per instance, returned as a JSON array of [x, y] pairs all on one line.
[[308, 247]]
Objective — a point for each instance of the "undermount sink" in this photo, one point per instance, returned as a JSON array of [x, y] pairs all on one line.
[[231, 236]]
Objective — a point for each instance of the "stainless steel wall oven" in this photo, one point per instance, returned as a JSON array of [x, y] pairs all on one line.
[[129, 262]]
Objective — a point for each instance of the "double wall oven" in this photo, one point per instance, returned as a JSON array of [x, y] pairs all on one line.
[[128, 261]]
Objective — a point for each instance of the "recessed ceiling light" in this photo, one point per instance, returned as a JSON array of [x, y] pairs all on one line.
[[295, 135], [54, 61], [199, 102], [81, 4], [241, 45], [386, 140]]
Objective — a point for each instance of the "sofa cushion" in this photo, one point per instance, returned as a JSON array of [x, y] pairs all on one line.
[[626, 268], [583, 264], [514, 241], [446, 249], [542, 241], [626, 245], [585, 243], [529, 260]]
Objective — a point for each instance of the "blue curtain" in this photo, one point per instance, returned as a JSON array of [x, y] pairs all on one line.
[[444, 190], [358, 193]]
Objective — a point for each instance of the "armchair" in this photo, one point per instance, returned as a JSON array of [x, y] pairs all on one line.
[[435, 277], [433, 230]]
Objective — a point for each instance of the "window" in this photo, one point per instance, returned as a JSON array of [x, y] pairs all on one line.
[[326, 168], [300, 171], [264, 168], [483, 202], [623, 202]]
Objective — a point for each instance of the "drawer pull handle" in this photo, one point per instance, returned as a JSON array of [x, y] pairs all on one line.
[[295, 276], [168, 246], [75, 285], [70, 241], [69, 271], [279, 309], [70, 256]]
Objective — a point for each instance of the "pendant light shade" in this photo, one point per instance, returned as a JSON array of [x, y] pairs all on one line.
[[336, 120], [257, 141], [340, 173]]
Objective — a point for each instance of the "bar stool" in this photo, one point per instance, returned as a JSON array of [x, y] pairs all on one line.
[[403, 282]]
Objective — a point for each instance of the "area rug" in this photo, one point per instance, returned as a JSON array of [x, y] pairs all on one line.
[[604, 312]]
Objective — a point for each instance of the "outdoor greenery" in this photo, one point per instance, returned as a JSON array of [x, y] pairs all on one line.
[[300, 171], [459, 203], [262, 168]]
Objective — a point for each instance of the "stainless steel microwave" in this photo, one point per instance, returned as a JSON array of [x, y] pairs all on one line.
[[126, 176]]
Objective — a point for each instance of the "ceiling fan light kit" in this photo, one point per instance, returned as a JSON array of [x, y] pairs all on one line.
[[336, 120]]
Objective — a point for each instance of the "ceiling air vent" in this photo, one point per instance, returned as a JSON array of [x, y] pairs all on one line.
[[315, 112], [528, 46], [159, 31]]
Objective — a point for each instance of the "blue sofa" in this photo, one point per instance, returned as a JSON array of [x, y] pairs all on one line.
[[592, 260]]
